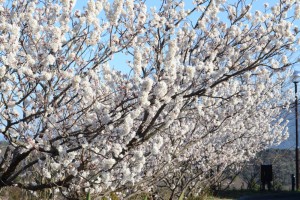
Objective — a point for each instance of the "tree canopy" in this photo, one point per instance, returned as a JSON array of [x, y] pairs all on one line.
[[200, 89]]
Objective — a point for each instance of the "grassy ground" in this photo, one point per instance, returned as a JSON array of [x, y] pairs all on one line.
[[11, 193], [236, 194]]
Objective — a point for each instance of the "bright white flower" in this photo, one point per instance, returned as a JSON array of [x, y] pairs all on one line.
[[55, 166], [2, 71], [108, 163], [137, 61], [155, 149], [297, 11], [117, 149], [46, 173], [160, 89], [30, 60], [55, 46], [76, 80], [46, 76], [284, 59], [127, 175], [190, 72], [147, 85], [71, 56]]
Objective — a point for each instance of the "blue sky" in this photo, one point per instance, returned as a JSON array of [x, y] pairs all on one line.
[[119, 60]]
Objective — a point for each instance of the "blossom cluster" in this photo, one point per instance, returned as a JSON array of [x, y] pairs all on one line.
[[194, 96]]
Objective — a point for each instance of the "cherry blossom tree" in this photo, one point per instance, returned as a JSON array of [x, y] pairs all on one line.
[[201, 88]]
